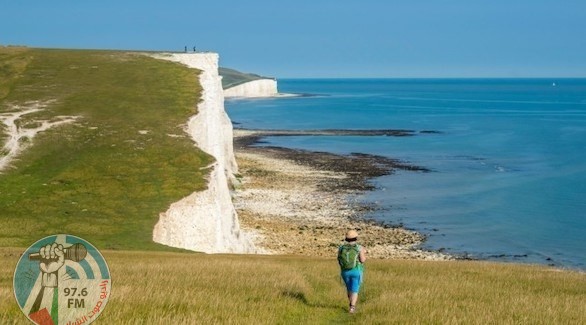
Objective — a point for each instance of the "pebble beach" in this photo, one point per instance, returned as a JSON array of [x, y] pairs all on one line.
[[302, 203]]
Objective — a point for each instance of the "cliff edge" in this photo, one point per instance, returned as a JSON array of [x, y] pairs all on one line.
[[255, 88], [206, 221]]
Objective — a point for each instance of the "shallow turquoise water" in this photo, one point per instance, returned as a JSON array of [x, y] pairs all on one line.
[[509, 163]]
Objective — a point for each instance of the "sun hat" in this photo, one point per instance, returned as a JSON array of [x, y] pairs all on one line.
[[351, 234]]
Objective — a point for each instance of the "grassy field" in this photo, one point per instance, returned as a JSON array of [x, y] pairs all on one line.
[[107, 176], [183, 288]]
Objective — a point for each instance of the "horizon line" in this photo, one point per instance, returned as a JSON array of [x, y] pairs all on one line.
[[297, 77], [437, 77]]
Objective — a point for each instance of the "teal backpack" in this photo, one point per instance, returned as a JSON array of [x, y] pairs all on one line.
[[348, 256]]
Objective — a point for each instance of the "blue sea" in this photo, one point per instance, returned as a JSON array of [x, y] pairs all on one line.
[[508, 179]]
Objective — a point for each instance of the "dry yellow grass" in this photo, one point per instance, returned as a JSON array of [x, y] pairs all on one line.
[[183, 288]]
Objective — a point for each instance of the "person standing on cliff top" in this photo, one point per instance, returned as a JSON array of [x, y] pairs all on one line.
[[351, 258]]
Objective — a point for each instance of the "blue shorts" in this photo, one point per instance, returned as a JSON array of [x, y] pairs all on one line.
[[352, 279]]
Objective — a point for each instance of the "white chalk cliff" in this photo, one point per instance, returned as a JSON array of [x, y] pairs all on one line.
[[255, 88], [206, 221]]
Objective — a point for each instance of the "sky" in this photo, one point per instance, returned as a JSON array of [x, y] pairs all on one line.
[[324, 38]]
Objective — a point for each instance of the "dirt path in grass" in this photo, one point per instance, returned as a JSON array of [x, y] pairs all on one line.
[[19, 136]]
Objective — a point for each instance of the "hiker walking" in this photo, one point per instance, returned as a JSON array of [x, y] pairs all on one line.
[[351, 258]]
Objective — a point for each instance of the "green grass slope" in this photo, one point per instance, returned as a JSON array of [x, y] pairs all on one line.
[[231, 77], [107, 176], [182, 288]]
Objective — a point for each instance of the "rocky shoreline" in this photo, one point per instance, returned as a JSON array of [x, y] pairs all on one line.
[[302, 202]]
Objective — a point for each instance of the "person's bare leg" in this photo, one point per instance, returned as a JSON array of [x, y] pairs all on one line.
[[353, 299]]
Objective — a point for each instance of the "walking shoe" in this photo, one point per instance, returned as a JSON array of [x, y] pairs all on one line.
[[352, 309]]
